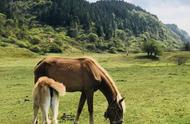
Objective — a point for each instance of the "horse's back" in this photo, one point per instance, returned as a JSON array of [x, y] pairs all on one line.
[[73, 73]]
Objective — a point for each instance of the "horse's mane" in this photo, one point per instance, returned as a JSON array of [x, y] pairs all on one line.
[[99, 72]]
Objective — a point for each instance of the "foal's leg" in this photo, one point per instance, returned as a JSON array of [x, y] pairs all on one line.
[[35, 108], [54, 106], [80, 107], [45, 104], [89, 96]]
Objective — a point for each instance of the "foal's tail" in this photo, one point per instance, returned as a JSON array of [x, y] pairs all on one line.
[[45, 81]]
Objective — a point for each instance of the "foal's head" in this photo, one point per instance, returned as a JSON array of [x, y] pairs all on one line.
[[115, 112]]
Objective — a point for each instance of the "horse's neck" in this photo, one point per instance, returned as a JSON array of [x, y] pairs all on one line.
[[109, 92]]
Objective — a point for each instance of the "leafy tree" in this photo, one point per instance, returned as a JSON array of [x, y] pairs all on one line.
[[152, 48]]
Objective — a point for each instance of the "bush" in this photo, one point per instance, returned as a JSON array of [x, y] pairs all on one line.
[[10, 22], [121, 49], [2, 44], [92, 37], [112, 50], [72, 32], [22, 44], [54, 48], [35, 49], [2, 19], [121, 34], [91, 47], [101, 46], [34, 40], [82, 37], [181, 60], [58, 42], [21, 35]]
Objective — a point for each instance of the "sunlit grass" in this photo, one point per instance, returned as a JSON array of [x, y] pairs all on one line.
[[156, 92]]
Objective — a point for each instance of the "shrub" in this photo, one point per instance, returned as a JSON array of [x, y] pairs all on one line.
[[34, 40], [2, 19], [22, 44], [21, 34], [54, 48], [10, 40], [58, 42], [82, 37], [10, 22], [35, 49], [2, 44], [72, 32], [121, 49], [92, 37], [112, 50], [101, 46], [121, 34], [181, 60], [91, 47]]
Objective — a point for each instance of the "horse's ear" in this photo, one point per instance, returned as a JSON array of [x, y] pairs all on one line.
[[121, 100]]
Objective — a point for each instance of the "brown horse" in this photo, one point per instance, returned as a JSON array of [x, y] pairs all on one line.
[[87, 76]]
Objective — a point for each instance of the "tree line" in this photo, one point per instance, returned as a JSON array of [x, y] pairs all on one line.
[[106, 25]]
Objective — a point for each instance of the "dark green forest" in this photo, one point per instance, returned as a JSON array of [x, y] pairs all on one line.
[[44, 26]]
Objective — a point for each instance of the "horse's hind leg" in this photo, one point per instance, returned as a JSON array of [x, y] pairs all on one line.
[[35, 108], [54, 106], [80, 107]]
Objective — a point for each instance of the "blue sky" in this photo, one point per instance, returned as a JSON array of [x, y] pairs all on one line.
[[168, 11]]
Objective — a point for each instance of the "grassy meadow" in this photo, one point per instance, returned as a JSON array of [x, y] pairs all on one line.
[[156, 92]]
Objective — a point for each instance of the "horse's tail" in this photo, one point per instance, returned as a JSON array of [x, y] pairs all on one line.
[[45, 81]]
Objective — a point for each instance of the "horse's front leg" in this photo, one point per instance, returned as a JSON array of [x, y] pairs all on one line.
[[80, 107], [89, 96]]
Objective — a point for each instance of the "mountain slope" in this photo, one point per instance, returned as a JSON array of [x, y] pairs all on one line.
[[184, 36], [106, 25]]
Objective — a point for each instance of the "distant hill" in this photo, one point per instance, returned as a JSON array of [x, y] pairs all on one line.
[[65, 25], [184, 36]]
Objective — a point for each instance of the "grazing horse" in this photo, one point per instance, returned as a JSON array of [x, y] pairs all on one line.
[[44, 99], [87, 76]]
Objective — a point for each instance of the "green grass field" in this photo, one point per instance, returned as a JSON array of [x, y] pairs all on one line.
[[156, 92]]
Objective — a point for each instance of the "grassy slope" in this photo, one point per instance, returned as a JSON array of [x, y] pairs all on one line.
[[156, 92], [16, 52]]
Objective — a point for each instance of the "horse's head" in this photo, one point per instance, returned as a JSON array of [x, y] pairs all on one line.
[[115, 112]]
